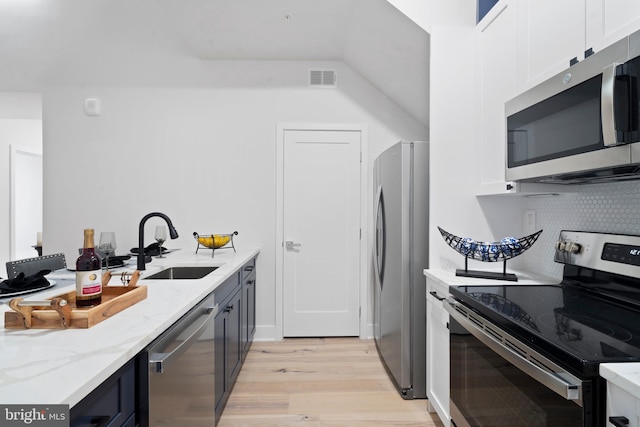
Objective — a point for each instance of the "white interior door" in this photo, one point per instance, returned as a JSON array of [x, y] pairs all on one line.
[[321, 231], [26, 201]]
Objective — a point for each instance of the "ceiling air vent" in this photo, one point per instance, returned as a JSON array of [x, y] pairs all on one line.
[[322, 78]]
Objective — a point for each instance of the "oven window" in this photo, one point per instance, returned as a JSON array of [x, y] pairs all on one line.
[[486, 390]]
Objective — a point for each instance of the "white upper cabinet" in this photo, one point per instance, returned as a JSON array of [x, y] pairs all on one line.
[[496, 80], [496, 51], [521, 43], [551, 33], [608, 21]]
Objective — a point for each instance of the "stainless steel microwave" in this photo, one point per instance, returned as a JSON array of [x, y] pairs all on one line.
[[582, 125]]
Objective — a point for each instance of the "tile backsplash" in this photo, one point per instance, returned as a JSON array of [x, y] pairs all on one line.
[[610, 208]]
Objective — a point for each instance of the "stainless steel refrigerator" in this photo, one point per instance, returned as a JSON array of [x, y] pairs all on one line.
[[401, 183]]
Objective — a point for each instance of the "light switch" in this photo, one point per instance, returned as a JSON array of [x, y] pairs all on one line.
[[92, 107]]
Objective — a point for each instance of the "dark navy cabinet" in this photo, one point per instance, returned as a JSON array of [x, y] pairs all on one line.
[[228, 352], [112, 404], [123, 399], [234, 329], [248, 305]]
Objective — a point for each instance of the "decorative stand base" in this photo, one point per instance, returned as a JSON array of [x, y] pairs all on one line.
[[487, 274]]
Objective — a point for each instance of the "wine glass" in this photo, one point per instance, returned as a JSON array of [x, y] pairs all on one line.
[[161, 236], [107, 245]]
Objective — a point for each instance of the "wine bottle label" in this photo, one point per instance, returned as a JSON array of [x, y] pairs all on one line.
[[88, 283]]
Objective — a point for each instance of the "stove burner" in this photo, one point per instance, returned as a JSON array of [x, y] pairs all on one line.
[[574, 327], [595, 324]]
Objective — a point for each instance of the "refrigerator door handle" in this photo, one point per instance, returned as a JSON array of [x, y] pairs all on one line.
[[380, 235]]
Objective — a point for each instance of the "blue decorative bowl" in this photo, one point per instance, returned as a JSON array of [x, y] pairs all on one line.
[[507, 248]]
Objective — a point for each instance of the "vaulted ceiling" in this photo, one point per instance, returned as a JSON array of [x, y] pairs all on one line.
[[42, 40]]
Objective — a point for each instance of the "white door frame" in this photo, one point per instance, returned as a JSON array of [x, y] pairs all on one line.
[[279, 241], [16, 152]]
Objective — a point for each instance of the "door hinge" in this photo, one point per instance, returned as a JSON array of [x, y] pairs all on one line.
[[361, 234], [361, 157], [359, 311]]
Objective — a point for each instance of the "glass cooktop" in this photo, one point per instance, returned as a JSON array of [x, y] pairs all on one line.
[[576, 327]]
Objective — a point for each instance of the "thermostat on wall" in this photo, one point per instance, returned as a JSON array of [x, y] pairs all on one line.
[[92, 107]]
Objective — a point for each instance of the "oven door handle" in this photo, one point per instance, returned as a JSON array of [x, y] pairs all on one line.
[[566, 385]]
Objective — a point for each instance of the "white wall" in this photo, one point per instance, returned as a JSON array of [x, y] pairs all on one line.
[[418, 11], [20, 124], [436, 13], [203, 155], [453, 136]]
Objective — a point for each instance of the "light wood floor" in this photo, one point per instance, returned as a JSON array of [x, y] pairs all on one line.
[[319, 382]]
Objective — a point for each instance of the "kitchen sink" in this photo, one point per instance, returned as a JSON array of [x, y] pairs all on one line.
[[182, 273]]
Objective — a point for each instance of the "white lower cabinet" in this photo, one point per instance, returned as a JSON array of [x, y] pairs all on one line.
[[437, 350], [621, 403], [623, 393]]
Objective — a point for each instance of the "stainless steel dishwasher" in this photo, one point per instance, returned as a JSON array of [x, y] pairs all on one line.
[[181, 363]]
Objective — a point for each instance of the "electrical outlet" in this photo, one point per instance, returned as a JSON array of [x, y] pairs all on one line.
[[529, 224]]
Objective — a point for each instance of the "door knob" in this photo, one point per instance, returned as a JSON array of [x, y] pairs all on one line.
[[291, 246]]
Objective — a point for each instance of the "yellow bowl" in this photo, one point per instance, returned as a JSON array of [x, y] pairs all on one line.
[[214, 241]]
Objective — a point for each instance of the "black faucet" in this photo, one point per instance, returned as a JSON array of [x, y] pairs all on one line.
[[172, 233]]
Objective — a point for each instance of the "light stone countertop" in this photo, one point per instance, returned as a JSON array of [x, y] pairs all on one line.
[[62, 366], [624, 375], [449, 278]]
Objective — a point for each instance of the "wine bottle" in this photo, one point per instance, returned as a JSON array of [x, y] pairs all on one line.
[[88, 273]]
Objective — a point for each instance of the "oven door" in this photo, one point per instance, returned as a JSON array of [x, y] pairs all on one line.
[[496, 381]]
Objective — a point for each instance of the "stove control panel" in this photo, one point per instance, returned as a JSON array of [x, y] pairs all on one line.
[[624, 254], [614, 253]]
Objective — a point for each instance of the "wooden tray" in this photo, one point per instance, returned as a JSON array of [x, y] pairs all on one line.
[[60, 312]]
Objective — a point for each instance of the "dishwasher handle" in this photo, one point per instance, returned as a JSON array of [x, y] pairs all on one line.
[[158, 360]]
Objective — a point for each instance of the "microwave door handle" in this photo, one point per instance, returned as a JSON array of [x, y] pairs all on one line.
[[607, 109]]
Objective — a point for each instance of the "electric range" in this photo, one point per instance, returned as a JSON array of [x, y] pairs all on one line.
[[557, 333]]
